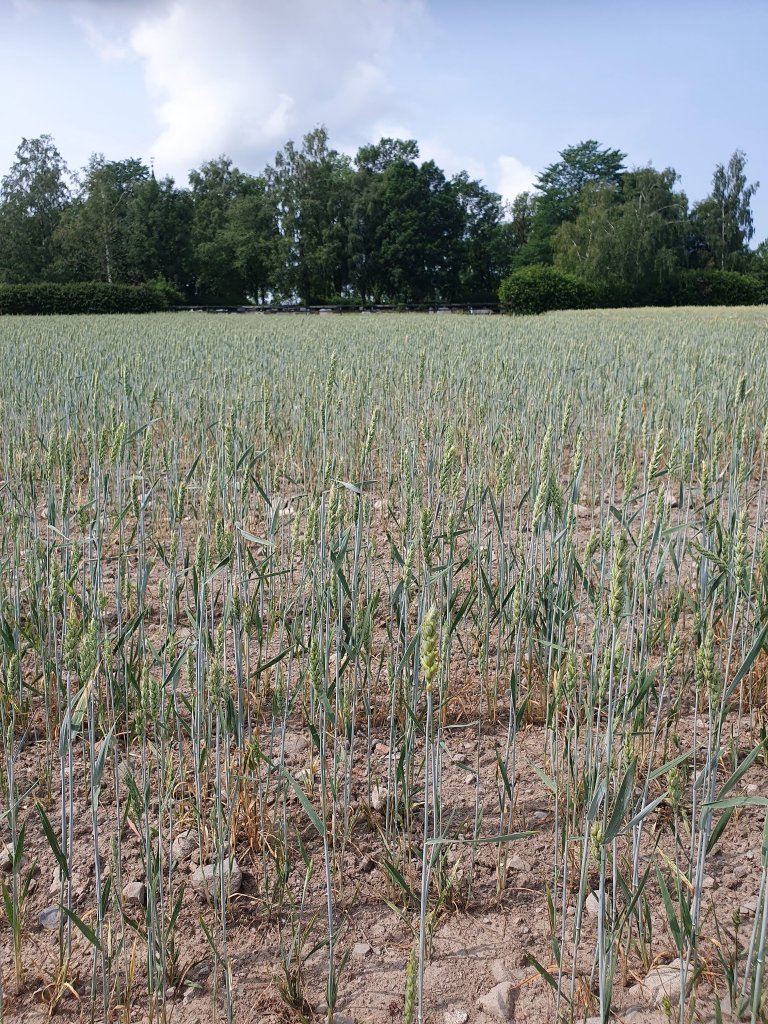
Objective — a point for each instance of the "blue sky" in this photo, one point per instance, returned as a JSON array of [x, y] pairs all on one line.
[[496, 88]]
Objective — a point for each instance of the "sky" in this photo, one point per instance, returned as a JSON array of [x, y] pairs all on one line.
[[494, 87]]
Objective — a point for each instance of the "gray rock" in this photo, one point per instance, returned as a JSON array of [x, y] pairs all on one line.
[[294, 744], [50, 918], [6, 858], [361, 950], [748, 909], [500, 971], [135, 894], [728, 1013], [592, 905], [184, 845], [455, 1015], [205, 879], [56, 880], [378, 797], [519, 864], [499, 1001], [664, 982], [638, 1014]]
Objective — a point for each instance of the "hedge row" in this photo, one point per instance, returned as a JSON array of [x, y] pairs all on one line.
[[716, 288], [86, 297], [537, 289]]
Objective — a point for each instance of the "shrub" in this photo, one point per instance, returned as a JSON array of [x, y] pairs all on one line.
[[716, 288], [538, 289], [86, 297]]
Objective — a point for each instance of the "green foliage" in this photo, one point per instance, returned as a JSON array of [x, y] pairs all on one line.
[[33, 195], [87, 297], [311, 187], [629, 239], [562, 183], [538, 289], [722, 222], [560, 187], [317, 227], [233, 237], [712, 287]]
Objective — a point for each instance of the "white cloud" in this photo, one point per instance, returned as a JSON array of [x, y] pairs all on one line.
[[451, 161], [107, 46], [512, 176], [242, 77]]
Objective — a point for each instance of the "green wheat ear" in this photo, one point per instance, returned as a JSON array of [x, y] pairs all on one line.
[[409, 1007], [430, 654]]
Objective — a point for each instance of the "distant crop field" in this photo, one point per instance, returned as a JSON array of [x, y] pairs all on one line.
[[384, 667]]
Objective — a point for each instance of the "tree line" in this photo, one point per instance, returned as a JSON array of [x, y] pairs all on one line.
[[317, 226]]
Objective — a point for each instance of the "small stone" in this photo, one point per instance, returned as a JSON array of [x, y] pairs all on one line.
[[205, 879], [78, 885], [752, 789], [707, 882], [50, 918], [640, 1014], [361, 950], [500, 971], [455, 1015], [499, 1001], [519, 864], [664, 982], [6, 859], [381, 749], [294, 744], [670, 499], [184, 845], [539, 816], [458, 759], [338, 1018], [135, 894], [592, 905], [378, 797]]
